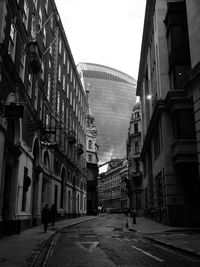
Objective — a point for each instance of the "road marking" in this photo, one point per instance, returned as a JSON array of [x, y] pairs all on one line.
[[148, 254], [87, 246], [119, 239]]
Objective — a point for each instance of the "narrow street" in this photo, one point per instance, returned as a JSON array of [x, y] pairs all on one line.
[[105, 241]]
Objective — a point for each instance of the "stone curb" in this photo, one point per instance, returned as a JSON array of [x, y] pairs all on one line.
[[36, 251], [170, 245]]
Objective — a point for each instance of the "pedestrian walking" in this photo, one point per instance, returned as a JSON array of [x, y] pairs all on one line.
[[53, 214], [134, 216], [45, 217]]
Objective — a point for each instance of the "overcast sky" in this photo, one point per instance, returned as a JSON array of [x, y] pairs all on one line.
[[106, 32]]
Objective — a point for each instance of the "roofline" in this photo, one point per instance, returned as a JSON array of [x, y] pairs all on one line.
[[113, 69], [150, 7]]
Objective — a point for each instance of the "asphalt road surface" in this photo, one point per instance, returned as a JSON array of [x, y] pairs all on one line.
[[106, 242]]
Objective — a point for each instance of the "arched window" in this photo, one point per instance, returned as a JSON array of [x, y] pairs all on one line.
[[136, 147], [46, 159], [90, 144]]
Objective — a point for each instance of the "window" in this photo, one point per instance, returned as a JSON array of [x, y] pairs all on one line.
[[12, 41], [137, 147], [90, 157], [136, 127], [46, 6], [71, 76], [185, 125], [90, 144], [47, 120], [44, 36], [25, 189], [67, 90], [62, 191], [63, 110], [30, 77], [46, 159], [137, 165], [137, 115], [68, 66], [64, 57], [178, 44], [71, 98], [41, 107], [51, 50], [74, 103], [51, 23], [35, 3], [22, 63], [63, 85], [25, 14], [60, 46], [49, 87], [59, 73], [58, 103], [67, 117], [42, 71], [36, 95], [40, 18], [74, 83]]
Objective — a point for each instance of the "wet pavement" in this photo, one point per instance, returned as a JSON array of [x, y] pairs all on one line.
[[186, 239], [24, 248]]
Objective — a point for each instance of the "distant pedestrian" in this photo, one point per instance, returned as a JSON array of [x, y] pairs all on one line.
[[53, 214], [45, 217], [134, 216]]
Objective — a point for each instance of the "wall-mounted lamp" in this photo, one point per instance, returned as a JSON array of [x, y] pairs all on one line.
[[151, 97]]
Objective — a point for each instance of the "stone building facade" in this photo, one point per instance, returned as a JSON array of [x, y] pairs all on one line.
[[92, 163], [42, 117], [168, 90], [112, 187], [135, 172]]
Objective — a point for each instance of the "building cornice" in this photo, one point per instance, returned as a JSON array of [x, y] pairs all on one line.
[[148, 21]]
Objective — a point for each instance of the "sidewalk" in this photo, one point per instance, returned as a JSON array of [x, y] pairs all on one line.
[[22, 249], [179, 238]]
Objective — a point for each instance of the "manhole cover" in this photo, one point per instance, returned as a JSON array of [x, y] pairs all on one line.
[[2, 260]]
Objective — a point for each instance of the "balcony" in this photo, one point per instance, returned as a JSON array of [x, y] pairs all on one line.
[[72, 137], [80, 149], [184, 151]]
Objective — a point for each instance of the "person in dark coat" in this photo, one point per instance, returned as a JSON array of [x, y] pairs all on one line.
[[134, 216], [45, 217], [53, 214]]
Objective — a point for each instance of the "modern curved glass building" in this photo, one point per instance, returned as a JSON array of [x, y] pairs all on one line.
[[112, 96]]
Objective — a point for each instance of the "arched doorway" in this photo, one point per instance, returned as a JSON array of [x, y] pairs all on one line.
[[35, 184], [81, 200], [10, 181], [74, 196], [45, 197], [62, 189]]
